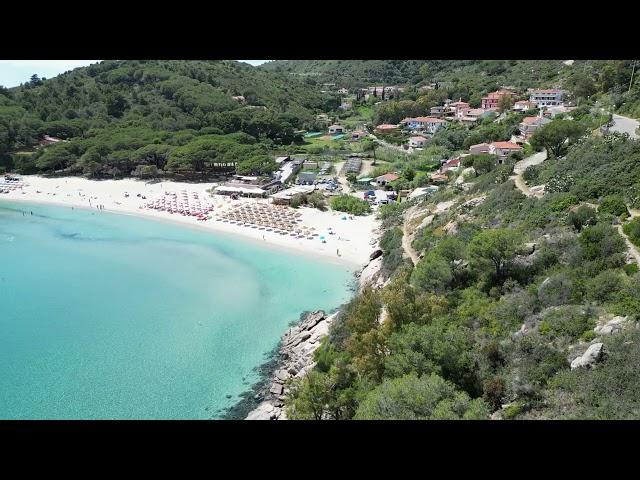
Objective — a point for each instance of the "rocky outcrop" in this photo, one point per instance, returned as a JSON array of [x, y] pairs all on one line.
[[370, 274], [296, 359], [615, 325], [298, 345], [594, 354]]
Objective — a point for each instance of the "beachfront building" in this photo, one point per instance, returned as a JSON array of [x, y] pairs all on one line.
[[336, 129], [283, 197], [240, 189], [547, 98]]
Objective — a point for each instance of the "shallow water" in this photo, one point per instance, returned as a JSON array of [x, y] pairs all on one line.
[[108, 316]]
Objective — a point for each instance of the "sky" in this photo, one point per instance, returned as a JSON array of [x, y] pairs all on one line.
[[15, 72]]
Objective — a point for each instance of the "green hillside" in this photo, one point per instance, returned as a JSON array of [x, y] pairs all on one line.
[[111, 110]]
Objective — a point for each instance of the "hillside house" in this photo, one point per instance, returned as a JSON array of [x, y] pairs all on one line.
[[386, 128], [547, 98], [417, 141], [336, 129], [452, 164], [503, 149], [437, 111], [424, 124], [459, 108], [524, 105], [479, 148], [385, 179], [529, 125], [359, 134], [492, 100]]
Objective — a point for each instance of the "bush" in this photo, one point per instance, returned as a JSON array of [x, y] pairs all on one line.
[[420, 398], [531, 174], [350, 204], [555, 290], [581, 217], [512, 411], [632, 229], [562, 201], [605, 286], [613, 205], [568, 322]]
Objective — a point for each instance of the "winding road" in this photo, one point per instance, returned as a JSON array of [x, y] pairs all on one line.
[[625, 125], [522, 165]]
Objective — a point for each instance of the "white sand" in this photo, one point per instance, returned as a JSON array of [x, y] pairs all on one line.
[[352, 237]]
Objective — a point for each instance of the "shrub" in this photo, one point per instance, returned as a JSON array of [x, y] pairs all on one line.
[[512, 411], [420, 398], [613, 205], [562, 202], [632, 229], [605, 286], [568, 321], [350, 204], [581, 217], [555, 290]]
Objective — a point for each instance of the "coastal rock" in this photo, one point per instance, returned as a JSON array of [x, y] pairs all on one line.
[[276, 389], [264, 411], [296, 360], [377, 253], [594, 354]]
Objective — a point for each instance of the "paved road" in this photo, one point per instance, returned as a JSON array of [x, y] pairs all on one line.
[[625, 125]]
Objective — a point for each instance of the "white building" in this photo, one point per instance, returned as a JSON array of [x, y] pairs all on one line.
[[546, 98]]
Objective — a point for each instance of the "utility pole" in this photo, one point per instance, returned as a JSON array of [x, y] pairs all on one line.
[[632, 72]]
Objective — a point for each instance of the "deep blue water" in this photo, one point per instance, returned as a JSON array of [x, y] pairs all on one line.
[[108, 316]]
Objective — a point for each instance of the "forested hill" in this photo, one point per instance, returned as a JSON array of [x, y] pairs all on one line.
[[470, 78], [112, 109]]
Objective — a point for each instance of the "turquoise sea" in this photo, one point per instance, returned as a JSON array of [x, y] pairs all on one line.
[[106, 316]]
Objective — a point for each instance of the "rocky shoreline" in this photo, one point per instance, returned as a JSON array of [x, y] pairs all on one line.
[[295, 357]]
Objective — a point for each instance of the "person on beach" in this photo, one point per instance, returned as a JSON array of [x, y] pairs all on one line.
[[337, 251]]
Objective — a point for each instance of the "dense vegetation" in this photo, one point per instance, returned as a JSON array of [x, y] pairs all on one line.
[[606, 80], [506, 293], [173, 116]]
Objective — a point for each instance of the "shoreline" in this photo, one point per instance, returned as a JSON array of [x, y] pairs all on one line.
[[304, 333], [352, 238], [292, 358], [308, 253]]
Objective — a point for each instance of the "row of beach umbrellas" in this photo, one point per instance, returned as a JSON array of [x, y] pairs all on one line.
[[183, 203]]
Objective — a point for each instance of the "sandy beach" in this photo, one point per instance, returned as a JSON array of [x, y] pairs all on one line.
[[351, 239]]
